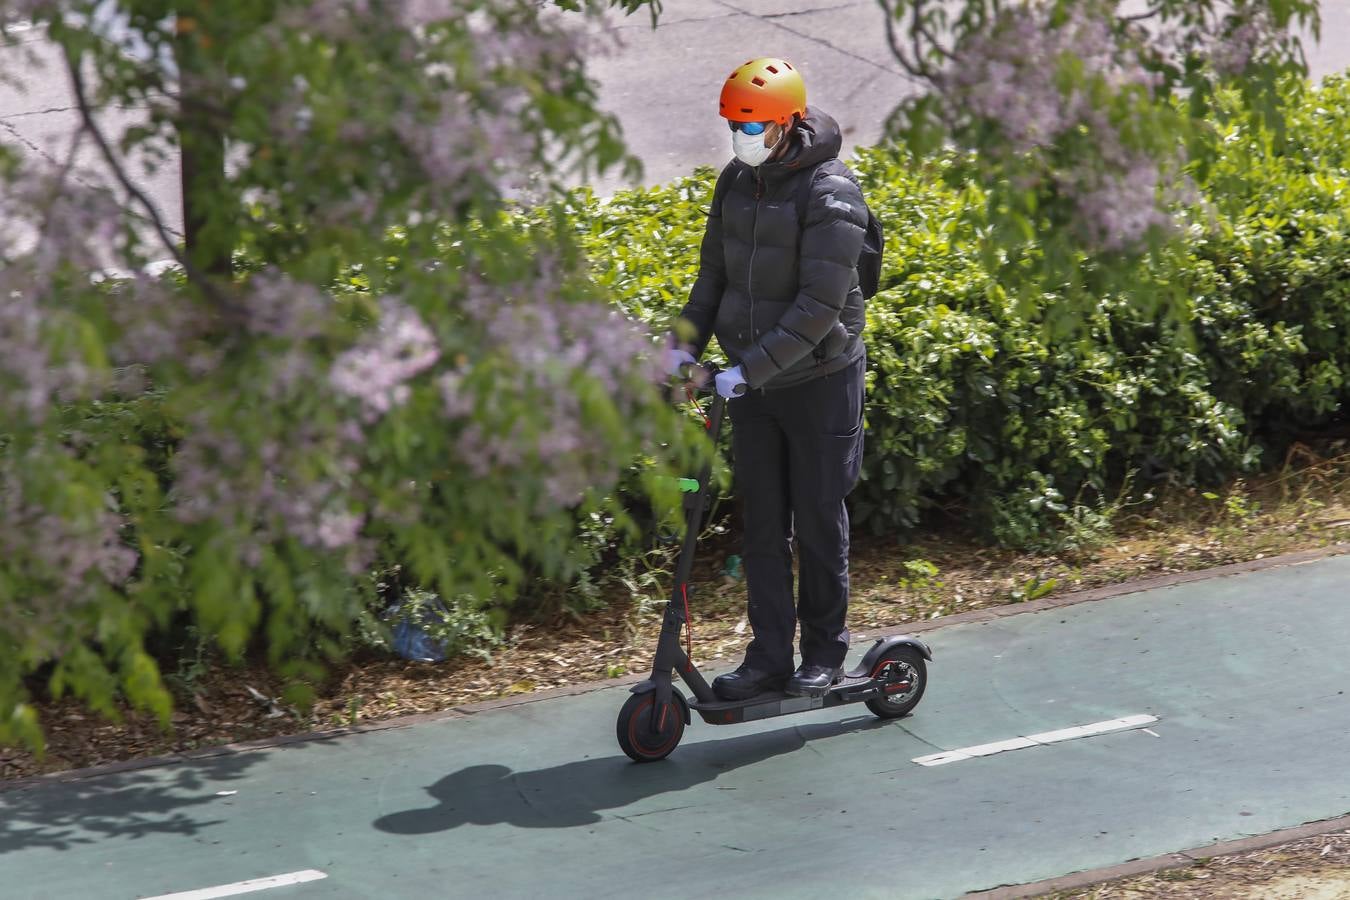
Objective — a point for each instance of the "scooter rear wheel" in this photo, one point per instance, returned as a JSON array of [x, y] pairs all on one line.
[[907, 676], [638, 738]]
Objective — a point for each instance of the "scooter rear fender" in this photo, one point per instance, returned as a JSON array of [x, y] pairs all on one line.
[[884, 645]]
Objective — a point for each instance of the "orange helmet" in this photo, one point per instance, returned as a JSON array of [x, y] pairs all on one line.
[[764, 90]]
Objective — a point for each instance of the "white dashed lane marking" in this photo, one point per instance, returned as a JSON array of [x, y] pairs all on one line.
[[1036, 740], [246, 887]]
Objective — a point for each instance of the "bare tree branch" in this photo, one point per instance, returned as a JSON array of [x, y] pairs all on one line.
[[917, 67], [914, 34], [91, 126], [920, 29], [1143, 16]]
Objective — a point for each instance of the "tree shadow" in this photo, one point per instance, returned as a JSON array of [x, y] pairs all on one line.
[[572, 794], [169, 799]]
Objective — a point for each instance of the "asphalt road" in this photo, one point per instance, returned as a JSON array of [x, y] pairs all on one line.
[[1246, 676]]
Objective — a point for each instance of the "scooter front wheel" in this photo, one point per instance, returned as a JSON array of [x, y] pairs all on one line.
[[904, 677], [643, 740]]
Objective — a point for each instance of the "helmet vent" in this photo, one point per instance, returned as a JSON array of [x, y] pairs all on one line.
[[746, 109], [757, 82], [788, 64], [772, 69]]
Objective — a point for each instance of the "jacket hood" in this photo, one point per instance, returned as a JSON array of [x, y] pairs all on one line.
[[815, 139]]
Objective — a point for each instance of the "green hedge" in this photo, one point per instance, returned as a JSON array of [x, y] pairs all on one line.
[[973, 405]]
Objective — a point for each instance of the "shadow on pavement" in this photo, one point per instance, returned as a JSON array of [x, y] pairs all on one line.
[[572, 794], [171, 799]]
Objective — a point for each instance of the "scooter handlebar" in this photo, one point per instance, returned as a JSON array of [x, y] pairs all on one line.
[[710, 370], [689, 370]]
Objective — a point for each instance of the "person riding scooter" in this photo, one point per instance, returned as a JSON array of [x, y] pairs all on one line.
[[781, 294]]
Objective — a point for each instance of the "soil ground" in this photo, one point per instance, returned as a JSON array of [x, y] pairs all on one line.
[[1305, 506], [1315, 868]]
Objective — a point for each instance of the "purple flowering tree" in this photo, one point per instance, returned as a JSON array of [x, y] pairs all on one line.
[[1086, 120], [358, 356]]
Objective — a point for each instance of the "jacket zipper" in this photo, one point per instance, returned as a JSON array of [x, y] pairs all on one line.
[[754, 247]]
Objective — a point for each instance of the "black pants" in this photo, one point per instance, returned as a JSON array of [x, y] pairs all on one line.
[[797, 455]]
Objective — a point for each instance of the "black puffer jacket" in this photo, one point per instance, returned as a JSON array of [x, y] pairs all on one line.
[[781, 296]]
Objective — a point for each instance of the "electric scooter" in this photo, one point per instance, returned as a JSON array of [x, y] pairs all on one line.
[[890, 679]]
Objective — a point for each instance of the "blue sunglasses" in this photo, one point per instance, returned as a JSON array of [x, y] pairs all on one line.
[[749, 127]]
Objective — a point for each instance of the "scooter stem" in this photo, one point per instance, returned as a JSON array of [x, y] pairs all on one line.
[[670, 657]]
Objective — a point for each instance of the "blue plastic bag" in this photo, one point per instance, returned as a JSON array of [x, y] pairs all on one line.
[[410, 638], [412, 643]]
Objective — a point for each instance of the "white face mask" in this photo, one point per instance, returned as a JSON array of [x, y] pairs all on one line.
[[750, 148]]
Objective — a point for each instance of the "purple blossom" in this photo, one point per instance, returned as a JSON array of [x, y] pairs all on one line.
[[1010, 77], [38, 369], [469, 130], [1248, 36], [72, 552], [550, 346], [336, 20], [1118, 210], [1009, 74], [338, 529], [377, 369], [155, 321], [26, 383], [54, 232], [279, 306], [291, 374], [302, 489]]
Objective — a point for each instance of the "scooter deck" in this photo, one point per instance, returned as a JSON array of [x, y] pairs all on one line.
[[849, 689]]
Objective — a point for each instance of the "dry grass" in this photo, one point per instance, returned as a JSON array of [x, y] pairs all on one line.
[[1315, 868]]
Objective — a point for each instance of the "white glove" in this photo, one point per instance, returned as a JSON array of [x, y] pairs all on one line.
[[731, 383], [674, 359]]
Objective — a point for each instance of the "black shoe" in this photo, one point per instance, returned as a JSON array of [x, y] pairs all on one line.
[[745, 683], [811, 681]]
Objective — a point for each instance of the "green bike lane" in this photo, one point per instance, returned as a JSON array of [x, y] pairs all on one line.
[[1247, 675]]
